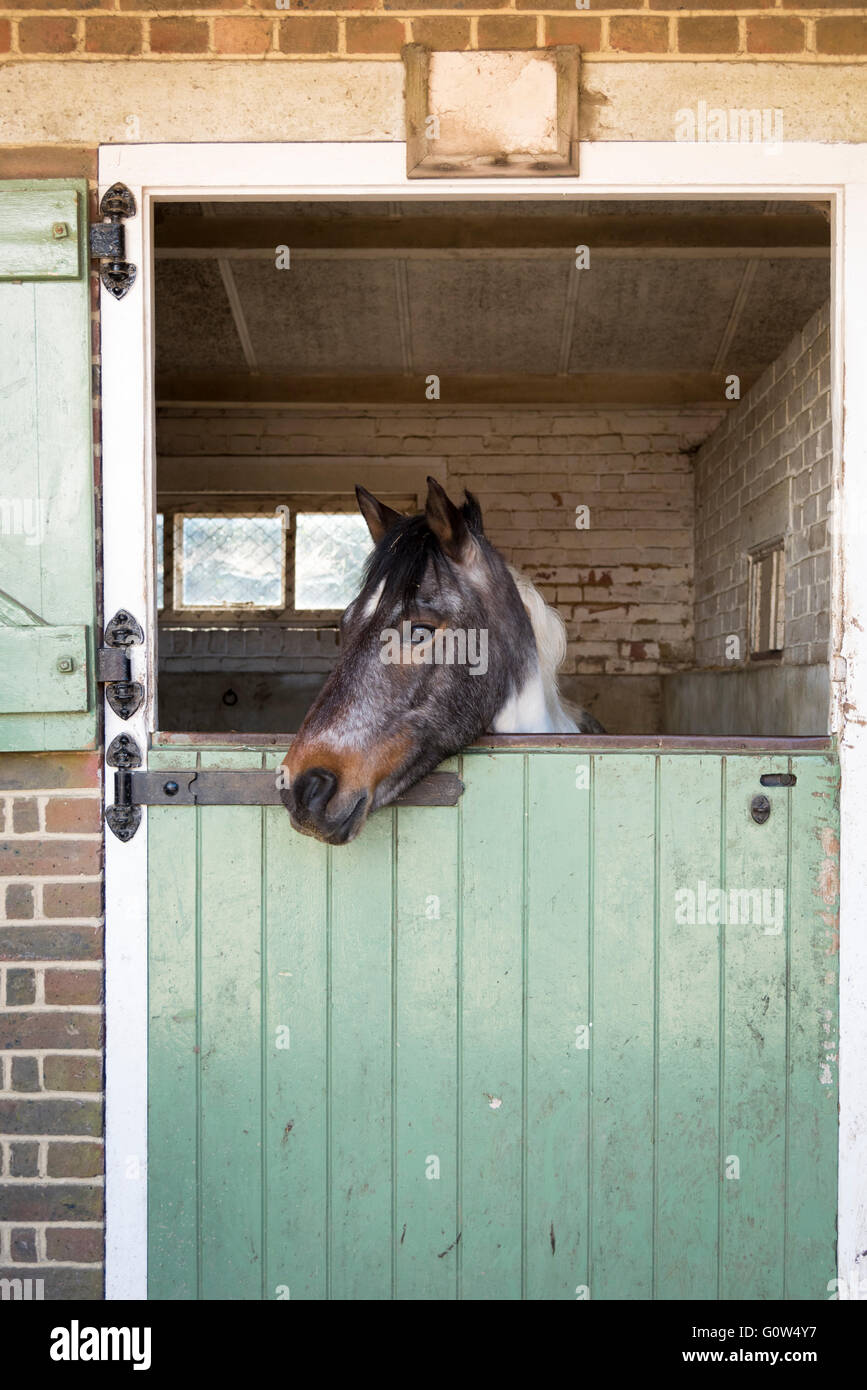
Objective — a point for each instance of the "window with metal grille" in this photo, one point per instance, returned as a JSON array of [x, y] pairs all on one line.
[[767, 600], [300, 558], [229, 562]]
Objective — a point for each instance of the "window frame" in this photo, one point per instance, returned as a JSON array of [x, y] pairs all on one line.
[[774, 551], [173, 508], [376, 170]]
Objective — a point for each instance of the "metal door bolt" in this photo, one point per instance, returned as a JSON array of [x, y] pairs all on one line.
[[65, 665]]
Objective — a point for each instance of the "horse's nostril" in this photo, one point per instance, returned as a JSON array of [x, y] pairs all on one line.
[[314, 788]]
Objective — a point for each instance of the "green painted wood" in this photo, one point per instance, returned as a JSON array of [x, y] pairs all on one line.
[[361, 1051], [173, 1056], [426, 1030], [622, 1043], [46, 456], [491, 1042], [813, 1026], [754, 1039], [688, 1023], [295, 985], [31, 678], [231, 1044], [558, 1015], [39, 232], [12, 613], [302, 1171]]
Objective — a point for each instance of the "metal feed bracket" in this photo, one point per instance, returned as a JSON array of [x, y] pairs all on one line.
[[211, 787]]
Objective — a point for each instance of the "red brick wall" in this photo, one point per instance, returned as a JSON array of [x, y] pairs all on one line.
[[97, 29], [51, 1147]]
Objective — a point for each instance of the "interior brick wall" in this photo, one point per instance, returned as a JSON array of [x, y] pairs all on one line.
[[764, 31], [623, 584], [781, 431]]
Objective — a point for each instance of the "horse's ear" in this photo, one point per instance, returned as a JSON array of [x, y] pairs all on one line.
[[378, 516], [447, 522]]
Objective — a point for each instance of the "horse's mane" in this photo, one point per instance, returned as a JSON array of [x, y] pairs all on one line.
[[549, 630]]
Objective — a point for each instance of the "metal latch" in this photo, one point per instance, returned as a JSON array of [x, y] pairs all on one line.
[[108, 240], [213, 787], [113, 666]]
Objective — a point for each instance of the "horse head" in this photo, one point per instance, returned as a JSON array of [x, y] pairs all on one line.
[[437, 648]]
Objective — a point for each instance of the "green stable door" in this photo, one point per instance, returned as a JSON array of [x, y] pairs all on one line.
[[572, 1038]]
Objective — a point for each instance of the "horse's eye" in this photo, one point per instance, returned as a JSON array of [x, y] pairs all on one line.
[[420, 632]]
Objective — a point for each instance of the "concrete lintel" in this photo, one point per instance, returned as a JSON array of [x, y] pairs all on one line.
[[81, 102]]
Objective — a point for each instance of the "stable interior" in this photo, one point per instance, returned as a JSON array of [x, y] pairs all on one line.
[[638, 393]]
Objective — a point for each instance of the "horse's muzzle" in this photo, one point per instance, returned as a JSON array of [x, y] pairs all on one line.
[[317, 807]]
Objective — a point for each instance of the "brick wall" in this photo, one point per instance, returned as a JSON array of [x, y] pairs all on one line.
[[624, 585], [51, 1147], [765, 31], [769, 465]]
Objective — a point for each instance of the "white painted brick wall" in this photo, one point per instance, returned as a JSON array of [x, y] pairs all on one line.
[[781, 429], [624, 586]]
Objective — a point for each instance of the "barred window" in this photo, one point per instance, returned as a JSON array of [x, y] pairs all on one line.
[[330, 552], [230, 561], [300, 558]]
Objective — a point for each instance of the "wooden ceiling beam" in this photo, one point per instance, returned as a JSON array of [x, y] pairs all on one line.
[[192, 389], [748, 234]]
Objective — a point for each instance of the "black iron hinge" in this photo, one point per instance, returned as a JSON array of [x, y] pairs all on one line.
[[113, 666], [108, 240], [124, 817]]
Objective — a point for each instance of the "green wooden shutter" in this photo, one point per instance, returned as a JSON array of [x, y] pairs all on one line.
[[47, 578]]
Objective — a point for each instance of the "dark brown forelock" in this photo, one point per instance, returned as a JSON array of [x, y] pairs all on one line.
[[401, 559]]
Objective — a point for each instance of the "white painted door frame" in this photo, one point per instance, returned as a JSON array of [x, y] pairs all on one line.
[[260, 172]]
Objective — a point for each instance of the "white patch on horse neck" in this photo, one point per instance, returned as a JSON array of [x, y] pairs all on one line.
[[537, 707], [525, 712]]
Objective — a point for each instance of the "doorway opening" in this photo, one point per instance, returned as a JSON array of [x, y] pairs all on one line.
[[639, 393]]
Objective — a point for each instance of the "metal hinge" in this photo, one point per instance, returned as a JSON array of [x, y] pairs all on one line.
[[108, 240], [124, 817], [113, 666], [213, 787]]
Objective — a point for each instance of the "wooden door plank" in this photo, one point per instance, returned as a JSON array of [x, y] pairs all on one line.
[[43, 669], [754, 1039], [361, 1066], [491, 1053], [426, 1051], [39, 236], [295, 1063], [47, 554], [230, 1061], [688, 1021], [558, 1015], [622, 1045], [173, 1061], [811, 1179]]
